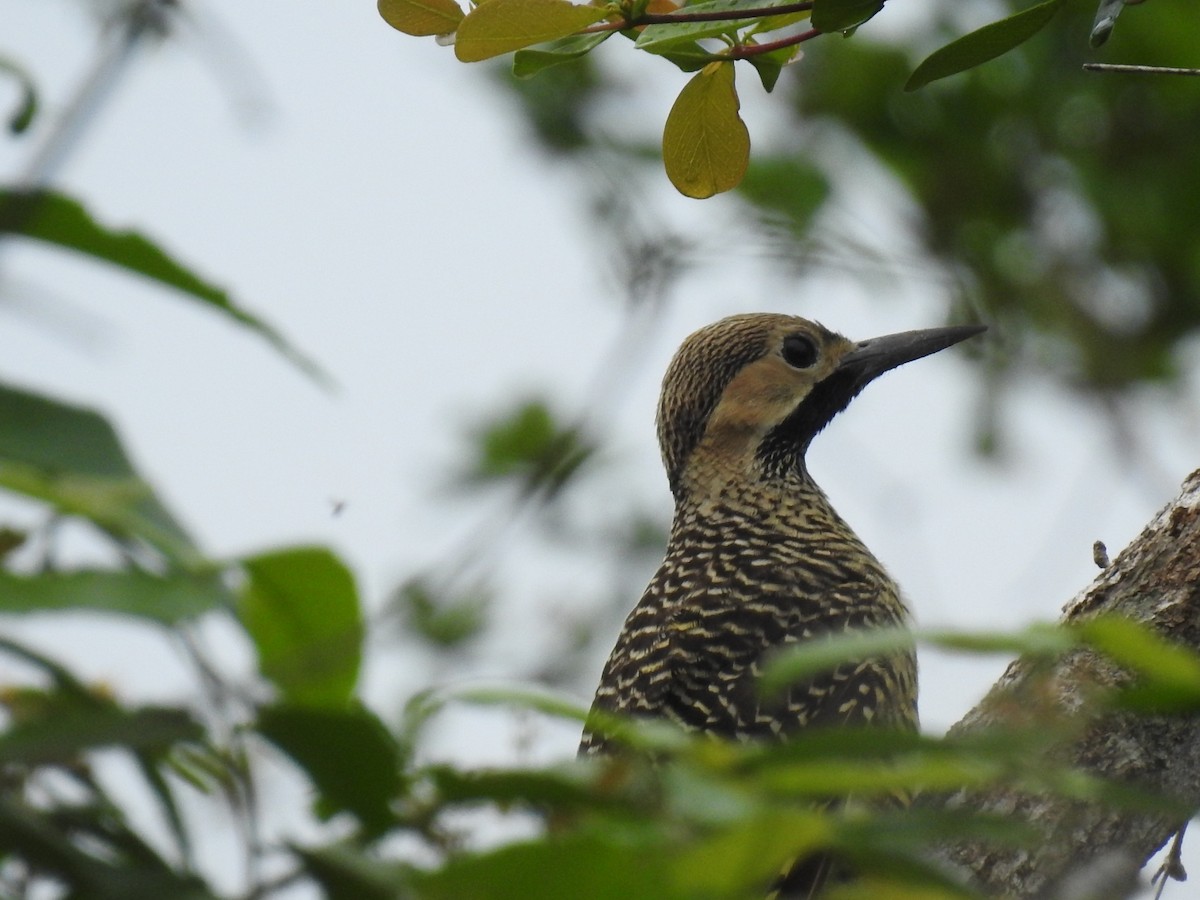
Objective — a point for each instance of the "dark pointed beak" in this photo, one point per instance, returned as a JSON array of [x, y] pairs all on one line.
[[870, 359]]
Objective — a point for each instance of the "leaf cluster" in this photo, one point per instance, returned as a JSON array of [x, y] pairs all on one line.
[[705, 146]]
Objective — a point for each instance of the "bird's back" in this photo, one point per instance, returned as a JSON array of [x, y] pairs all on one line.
[[743, 577]]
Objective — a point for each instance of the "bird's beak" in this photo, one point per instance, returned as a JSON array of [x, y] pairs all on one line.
[[870, 359]]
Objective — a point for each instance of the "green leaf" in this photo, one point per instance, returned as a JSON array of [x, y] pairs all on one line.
[[421, 17], [501, 26], [1168, 674], [842, 15], [348, 754], [1105, 21], [747, 855], [538, 701], [72, 458], [562, 787], [443, 620], [527, 63], [528, 445], [62, 221], [346, 872], [301, 608], [686, 57], [71, 730], [801, 662], [165, 599], [590, 866], [65, 684], [820, 778], [787, 185], [982, 45], [706, 147], [1036, 640], [22, 116]]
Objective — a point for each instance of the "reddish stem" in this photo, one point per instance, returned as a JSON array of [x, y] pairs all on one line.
[[747, 50]]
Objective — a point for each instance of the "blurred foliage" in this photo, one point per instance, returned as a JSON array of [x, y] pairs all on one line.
[[1051, 202], [440, 620], [527, 446], [1030, 176], [22, 114], [705, 143]]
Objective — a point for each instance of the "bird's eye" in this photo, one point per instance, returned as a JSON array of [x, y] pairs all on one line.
[[799, 351]]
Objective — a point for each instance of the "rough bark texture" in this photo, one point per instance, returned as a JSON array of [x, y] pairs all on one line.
[[1155, 581]]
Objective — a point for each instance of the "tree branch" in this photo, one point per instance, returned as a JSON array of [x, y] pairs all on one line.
[[1155, 581]]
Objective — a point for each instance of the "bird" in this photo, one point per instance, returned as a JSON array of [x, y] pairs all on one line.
[[757, 557]]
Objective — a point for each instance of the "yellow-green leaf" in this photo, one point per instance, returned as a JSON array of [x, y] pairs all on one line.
[[421, 17], [501, 26], [706, 147]]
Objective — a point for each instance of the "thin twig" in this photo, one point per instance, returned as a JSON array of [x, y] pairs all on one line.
[[1138, 70], [744, 51]]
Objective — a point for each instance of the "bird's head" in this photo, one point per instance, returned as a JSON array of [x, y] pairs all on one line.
[[745, 396]]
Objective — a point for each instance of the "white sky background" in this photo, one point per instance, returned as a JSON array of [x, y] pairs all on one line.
[[388, 214]]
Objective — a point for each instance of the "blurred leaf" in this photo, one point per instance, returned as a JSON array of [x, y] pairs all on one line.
[[64, 682], [421, 17], [1168, 674], [22, 116], [301, 608], [347, 873], [60, 220], [124, 508], [527, 63], [917, 829], [558, 788], [749, 854], [348, 754], [1038, 640], [527, 445], [105, 871], [822, 778], [501, 26], [62, 737], [706, 147], [441, 620], [1106, 19], [148, 765], [524, 698], [589, 866], [165, 599], [800, 662], [11, 539], [841, 15], [71, 457], [788, 185], [983, 45], [557, 108], [652, 736]]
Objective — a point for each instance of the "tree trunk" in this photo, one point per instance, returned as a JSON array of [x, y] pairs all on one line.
[[1155, 581]]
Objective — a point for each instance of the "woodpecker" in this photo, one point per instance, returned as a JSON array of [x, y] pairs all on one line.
[[757, 557]]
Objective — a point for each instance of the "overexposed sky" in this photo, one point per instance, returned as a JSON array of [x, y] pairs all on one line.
[[380, 204]]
